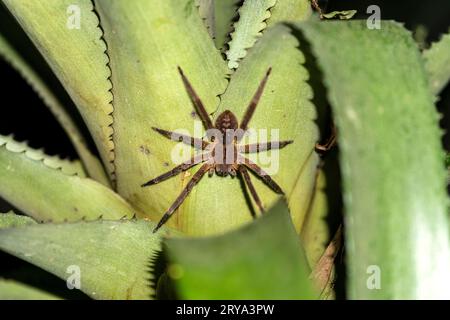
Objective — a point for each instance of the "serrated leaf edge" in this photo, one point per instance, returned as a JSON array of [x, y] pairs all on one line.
[[243, 52], [111, 168], [65, 166], [198, 4]]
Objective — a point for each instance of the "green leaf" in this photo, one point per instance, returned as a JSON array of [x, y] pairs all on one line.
[[144, 38], [391, 159], [290, 10], [324, 273], [437, 63], [249, 27], [92, 164], [342, 15], [447, 162], [48, 188], [54, 162], [255, 16], [206, 12], [315, 233], [262, 260], [77, 57], [143, 154], [12, 220], [13, 290], [284, 109], [225, 11], [113, 257]]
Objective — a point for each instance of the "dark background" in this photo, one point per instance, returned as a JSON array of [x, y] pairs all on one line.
[[24, 115]]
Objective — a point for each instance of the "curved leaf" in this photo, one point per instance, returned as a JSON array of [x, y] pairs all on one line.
[[391, 160], [244, 264], [54, 162], [49, 188], [447, 163], [144, 38], [252, 17], [92, 164], [324, 272], [112, 258], [77, 57], [12, 220], [225, 11], [206, 12], [13, 290], [315, 233], [437, 63], [290, 10], [342, 15], [284, 109]]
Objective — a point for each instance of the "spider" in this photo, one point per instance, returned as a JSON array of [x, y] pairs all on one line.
[[221, 154]]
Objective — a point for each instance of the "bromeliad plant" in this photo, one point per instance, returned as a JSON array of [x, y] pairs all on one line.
[[117, 60]]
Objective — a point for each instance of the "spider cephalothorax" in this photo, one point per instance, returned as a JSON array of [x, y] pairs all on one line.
[[222, 154]]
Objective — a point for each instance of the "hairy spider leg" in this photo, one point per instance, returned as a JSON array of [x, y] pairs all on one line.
[[330, 142], [264, 146], [197, 143], [191, 184], [248, 182], [178, 169], [260, 173], [242, 162], [200, 108], [254, 102]]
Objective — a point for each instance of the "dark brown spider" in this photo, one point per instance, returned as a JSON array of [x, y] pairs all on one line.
[[223, 153]]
